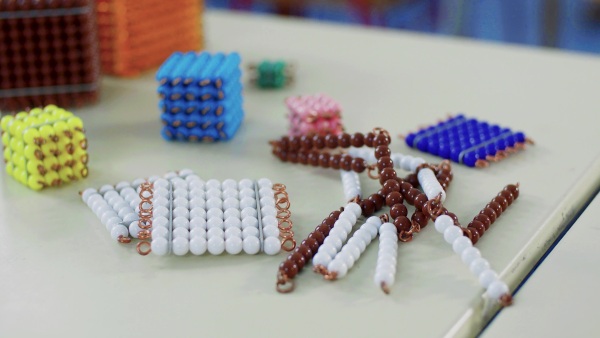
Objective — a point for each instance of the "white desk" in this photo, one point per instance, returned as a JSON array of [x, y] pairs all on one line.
[[61, 274], [559, 299]]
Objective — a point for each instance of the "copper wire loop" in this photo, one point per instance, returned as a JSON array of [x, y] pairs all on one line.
[[144, 234], [379, 130], [384, 218], [282, 204], [283, 214], [370, 169], [144, 244], [284, 221], [284, 284], [123, 239], [506, 299], [425, 165], [286, 234], [280, 194], [405, 236], [279, 187], [320, 269], [330, 275], [288, 248], [434, 207], [356, 199]]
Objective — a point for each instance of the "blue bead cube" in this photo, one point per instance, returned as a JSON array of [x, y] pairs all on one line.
[[201, 96]]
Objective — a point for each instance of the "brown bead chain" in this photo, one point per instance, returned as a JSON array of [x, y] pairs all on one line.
[[331, 141], [488, 215]]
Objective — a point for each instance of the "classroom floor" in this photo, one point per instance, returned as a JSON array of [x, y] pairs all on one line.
[[565, 24]]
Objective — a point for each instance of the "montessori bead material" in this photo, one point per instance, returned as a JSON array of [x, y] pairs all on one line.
[[385, 271], [336, 238]]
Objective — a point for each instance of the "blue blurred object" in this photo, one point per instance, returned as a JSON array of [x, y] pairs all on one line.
[[566, 24]]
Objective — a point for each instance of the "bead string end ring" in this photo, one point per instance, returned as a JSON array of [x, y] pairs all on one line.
[[506, 300], [385, 288]]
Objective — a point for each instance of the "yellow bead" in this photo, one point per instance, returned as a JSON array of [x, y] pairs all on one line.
[[30, 135], [19, 161], [65, 159], [45, 118], [51, 178], [16, 172], [75, 122], [47, 132], [35, 167], [9, 168], [31, 121], [66, 174], [51, 163], [80, 170], [16, 128], [6, 121], [64, 114], [7, 154], [35, 182], [60, 127], [16, 145], [5, 139], [80, 155], [49, 149], [50, 108], [35, 111], [33, 152], [21, 116]]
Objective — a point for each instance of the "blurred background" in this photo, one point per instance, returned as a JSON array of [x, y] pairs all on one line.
[[565, 24]]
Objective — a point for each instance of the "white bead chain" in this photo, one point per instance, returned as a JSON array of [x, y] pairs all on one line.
[[268, 216], [385, 272], [431, 187], [351, 251], [471, 257], [337, 236], [351, 184]]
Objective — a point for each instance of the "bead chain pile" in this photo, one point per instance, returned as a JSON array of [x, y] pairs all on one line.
[[428, 205], [181, 213]]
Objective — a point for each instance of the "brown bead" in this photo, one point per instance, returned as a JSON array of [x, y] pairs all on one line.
[[412, 194], [513, 189], [502, 201], [335, 161], [398, 210], [454, 217], [387, 174], [311, 243], [402, 223], [420, 218], [292, 157], [324, 229], [382, 151], [420, 201], [318, 141], [479, 226], [489, 212], [390, 186], [303, 157], [318, 236], [392, 198], [358, 140], [358, 165], [443, 179], [289, 268], [324, 160], [345, 140], [496, 207], [329, 221], [304, 251], [381, 140], [368, 207], [413, 180], [384, 162], [369, 139], [313, 158], [331, 141], [507, 195], [346, 163], [298, 258], [284, 143], [294, 144], [306, 142], [405, 188], [484, 219], [474, 235], [378, 200], [335, 214]]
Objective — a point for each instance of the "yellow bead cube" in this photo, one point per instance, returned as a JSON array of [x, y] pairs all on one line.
[[44, 147]]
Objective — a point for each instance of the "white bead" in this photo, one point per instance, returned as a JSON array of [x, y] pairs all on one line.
[[352, 249], [160, 201], [215, 232], [229, 184], [160, 222], [233, 232], [198, 232], [108, 215], [181, 246], [355, 208], [346, 258], [329, 249], [119, 230], [460, 244], [211, 193], [134, 229], [344, 224], [112, 222], [161, 183], [334, 241], [213, 184], [198, 245], [384, 277], [272, 245], [230, 193], [152, 179], [214, 222], [265, 183], [197, 184], [268, 210], [233, 245], [321, 258], [214, 213], [180, 184], [416, 161], [214, 202], [111, 194], [443, 222], [192, 178], [159, 246], [497, 288], [249, 212], [349, 215], [231, 202], [271, 231], [406, 162], [245, 183], [251, 245], [359, 241], [197, 222], [232, 222], [478, 265], [250, 232], [161, 192], [372, 229], [487, 277], [181, 222], [179, 192], [339, 232], [387, 227], [469, 255], [267, 201], [181, 232], [338, 266], [216, 245], [269, 221], [197, 202], [198, 213], [452, 233], [231, 213], [197, 193], [185, 172], [105, 188], [247, 202], [128, 213], [249, 222], [160, 211], [93, 199], [159, 232], [87, 193], [247, 192], [266, 192], [180, 202], [181, 212]]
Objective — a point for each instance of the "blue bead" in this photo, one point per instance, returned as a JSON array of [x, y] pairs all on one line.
[[167, 133], [481, 153], [491, 149], [470, 158], [510, 140], [444, 151], [500, 144], [520, 137], [495, 130], [182, 134], [422, 144], [410, 139], [454, 152], [433, 147]]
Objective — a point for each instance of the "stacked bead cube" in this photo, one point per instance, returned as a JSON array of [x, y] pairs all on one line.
[[138, 35], [272, 74], [201, 96], [44, 147], [47, 54], [314, 115]]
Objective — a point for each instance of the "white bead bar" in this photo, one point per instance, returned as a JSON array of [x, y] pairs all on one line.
[[471, 257], [267, 213], [351, 184], [385, 272], [431, 187]]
